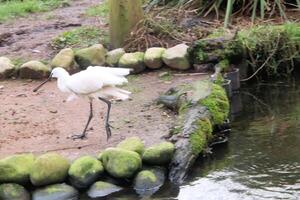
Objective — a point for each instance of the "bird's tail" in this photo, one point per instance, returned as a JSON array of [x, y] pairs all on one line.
[[113, 93]]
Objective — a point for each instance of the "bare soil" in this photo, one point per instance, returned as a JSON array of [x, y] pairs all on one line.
[[44, 121], [30, 37]]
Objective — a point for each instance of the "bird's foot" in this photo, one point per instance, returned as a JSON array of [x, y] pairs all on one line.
[[79, 136], [108, 130]]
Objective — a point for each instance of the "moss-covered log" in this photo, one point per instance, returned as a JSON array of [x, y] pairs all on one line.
[[200, 106], [123, 16]]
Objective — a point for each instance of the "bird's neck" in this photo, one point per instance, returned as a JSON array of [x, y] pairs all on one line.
[[61, 82]]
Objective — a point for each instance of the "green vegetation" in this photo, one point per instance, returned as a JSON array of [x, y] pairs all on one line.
[[253, 8], [159, 154], [272, 49], [16, 169], [17, 8], [200, 137], [217, 103], [80, 37], [132, 144], [100, 10]]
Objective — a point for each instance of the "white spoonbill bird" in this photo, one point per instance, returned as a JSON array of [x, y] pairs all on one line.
[[94, 83]]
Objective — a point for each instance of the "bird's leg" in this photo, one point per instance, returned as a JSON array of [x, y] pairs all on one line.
[[107, 125], [83, 135]]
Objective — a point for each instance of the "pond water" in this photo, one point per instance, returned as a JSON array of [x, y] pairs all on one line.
[[261, 159]]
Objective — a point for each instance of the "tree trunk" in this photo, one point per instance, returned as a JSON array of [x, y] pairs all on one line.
[[123, 16]]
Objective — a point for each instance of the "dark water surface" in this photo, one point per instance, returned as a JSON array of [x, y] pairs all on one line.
[[261, 159]]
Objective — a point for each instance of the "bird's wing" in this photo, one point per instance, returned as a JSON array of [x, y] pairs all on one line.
[[87, 81], [111, 70]]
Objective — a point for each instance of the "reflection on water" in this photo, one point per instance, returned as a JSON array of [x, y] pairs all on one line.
[[263, 154], [261, 159]]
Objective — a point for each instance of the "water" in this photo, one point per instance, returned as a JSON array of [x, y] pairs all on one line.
[[261, 159]]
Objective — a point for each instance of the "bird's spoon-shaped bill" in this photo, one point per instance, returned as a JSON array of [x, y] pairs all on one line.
[[43, 83]]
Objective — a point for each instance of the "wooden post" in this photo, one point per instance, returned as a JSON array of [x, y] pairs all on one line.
[[123, 16]]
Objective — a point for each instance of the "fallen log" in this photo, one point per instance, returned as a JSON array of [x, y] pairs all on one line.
[[201, 106]]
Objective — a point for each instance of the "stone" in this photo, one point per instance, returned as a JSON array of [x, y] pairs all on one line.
[[12, 191], [149, 181], [84, 171], [7, 68], [132, 144], [177, 57], [34, 70], [121, 163], [133, 61], [56, 192], [153, 57], [16, 169], [65, 59], [91, 56], [102, 189], [113, 57], [159, 154], [49, 168]]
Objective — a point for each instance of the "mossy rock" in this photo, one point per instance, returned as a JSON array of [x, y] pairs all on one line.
[[91, 56], [113, 57], [34, 70], [84, 171], [56, 192], [16, 169], [12, 191], [65, 59], [177, 57], [102, 189], [218, 104], [133, 61], [99, 156], [49, 168], [7, 68], [149, 181], [132, 144], [153, 57], [159, 154], [121, 163]]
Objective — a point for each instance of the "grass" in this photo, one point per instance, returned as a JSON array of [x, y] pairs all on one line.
[[100, 10], [13, 9], [80, 37]]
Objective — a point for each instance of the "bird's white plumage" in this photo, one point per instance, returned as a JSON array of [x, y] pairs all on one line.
[[93, 82]]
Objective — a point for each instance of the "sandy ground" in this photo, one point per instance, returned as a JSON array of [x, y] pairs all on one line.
[[44, 121]]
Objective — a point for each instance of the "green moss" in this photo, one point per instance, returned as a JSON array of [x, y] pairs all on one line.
[[121, 163], [13, 191], [132, 144], [16, 169], [201, 135], [197, 53], [217, 104], [159, 154], [49, 168], [147, 175], [84, 166], [224, 64]]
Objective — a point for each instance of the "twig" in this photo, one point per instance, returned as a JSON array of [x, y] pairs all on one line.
[[264, 64]]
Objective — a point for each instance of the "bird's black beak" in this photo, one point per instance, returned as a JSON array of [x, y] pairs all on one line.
[[43, 83]]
